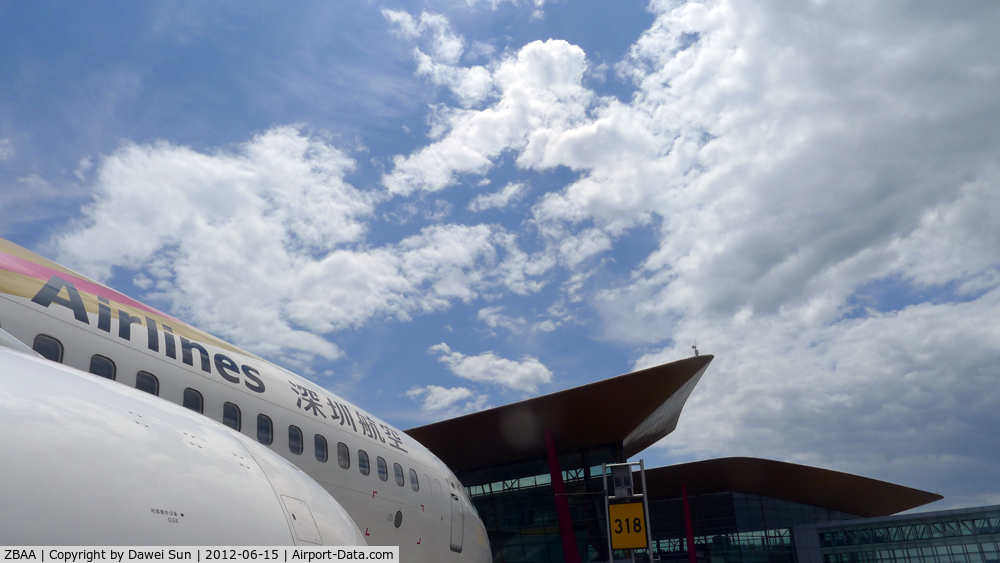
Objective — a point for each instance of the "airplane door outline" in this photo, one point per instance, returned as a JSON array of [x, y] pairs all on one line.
[[457, 523], [302, 520], [438, 498]]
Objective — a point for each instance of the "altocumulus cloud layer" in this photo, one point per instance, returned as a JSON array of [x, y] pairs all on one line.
[[822, 182]]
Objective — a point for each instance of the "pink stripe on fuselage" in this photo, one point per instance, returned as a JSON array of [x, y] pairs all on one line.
[[32, 269]]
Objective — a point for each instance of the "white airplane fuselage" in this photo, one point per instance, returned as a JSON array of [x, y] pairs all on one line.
[[395, 490], [89, 462]]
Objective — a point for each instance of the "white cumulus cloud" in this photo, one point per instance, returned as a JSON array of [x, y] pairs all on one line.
[[524, 375], [909, 396], [470, 85], [500, 199], [265, 245], [494, 318], [451, 401], [541, 95]]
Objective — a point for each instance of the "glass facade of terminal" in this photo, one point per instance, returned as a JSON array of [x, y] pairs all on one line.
[[732, 527], [518, 507], [954, 536]]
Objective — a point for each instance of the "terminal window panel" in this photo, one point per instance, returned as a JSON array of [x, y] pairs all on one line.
[[947, 538], [965, 553], [732, 527], [518, 509]]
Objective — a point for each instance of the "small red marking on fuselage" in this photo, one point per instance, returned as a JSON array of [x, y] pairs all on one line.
[[373, 493], [421, 508], [366, 532], [418, 540]]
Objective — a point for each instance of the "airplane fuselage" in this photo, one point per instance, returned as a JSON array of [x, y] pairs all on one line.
[[396, 491]]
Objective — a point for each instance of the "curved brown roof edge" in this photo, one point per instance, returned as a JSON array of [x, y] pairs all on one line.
[[661, 421], [594, 414], [815, 486]]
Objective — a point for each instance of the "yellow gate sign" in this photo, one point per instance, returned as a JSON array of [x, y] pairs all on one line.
[[628, 525]]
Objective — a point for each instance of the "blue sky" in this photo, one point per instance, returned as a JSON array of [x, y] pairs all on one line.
[[436, 207]]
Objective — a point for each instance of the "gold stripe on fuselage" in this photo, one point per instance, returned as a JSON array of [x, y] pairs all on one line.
[[20, 285]]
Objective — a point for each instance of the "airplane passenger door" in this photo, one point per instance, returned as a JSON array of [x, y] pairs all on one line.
[[457, 523]]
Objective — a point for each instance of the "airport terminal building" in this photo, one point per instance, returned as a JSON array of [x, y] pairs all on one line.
[[533, 471]]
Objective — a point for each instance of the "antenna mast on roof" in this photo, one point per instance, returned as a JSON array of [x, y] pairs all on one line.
[[695, 347]]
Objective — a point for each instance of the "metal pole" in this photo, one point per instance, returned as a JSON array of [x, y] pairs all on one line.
[[645, 506], [607, 510]]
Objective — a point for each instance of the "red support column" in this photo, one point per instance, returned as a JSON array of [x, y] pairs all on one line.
[[688, 527], [570, 552]]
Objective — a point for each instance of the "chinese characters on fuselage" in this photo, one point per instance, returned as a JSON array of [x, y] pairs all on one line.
[[311, 402]]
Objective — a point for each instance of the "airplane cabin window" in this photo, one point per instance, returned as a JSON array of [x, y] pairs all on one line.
[[343, 455], [145, 381], [295, 439], [321, 453], [363, 466], [104, 367], [48, 347], [383, 469], [414, 483], [398, 470], [193, 400], [231, 416], [264, 433]]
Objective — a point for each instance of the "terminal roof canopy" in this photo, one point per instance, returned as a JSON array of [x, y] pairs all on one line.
[[636, 409], [848, 493]]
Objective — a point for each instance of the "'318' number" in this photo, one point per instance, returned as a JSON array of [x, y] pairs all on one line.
[[630, 526]]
